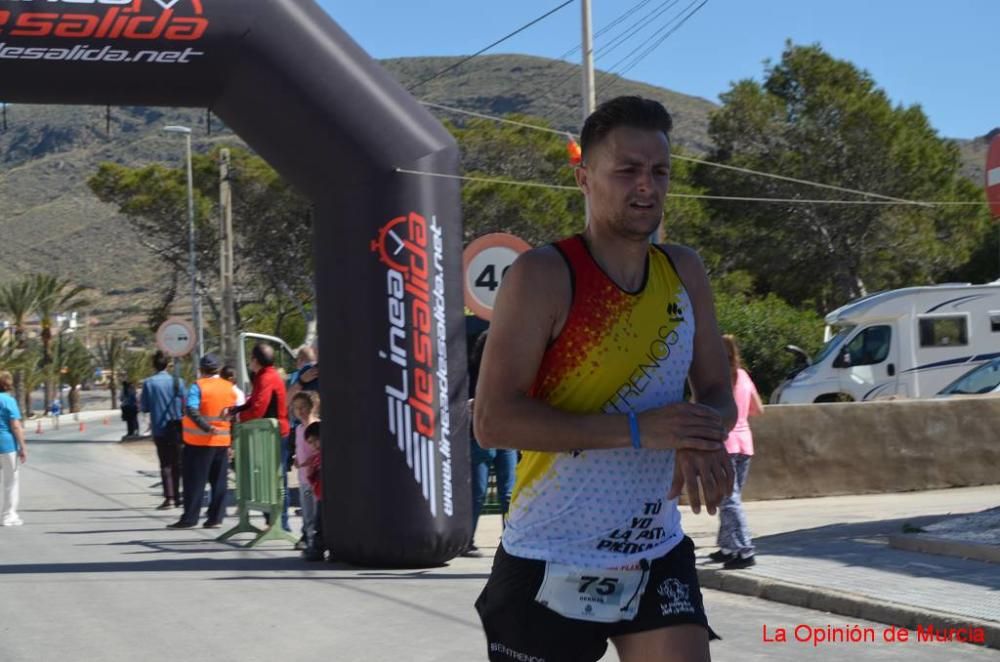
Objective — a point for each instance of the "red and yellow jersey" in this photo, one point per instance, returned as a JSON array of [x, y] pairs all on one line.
[[617, 352]]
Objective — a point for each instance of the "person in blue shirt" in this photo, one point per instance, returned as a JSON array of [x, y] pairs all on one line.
[[13, 452], [163, 399]]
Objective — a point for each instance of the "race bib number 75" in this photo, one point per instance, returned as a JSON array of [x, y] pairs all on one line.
[[594, 594]]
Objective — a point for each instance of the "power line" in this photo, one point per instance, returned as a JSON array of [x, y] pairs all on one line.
[[681, 157], [636, 7], [603, 51], [637, 27], [652, 48], [495, 43], [698, 196], [497, 119]]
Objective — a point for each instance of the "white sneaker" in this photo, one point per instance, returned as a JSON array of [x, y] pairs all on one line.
[[12, 521]]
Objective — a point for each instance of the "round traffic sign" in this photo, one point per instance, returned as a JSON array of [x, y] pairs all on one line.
[[484, 263], [176, 337], [993, 176]]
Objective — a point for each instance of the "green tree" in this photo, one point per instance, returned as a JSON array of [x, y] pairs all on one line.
[[763, 327], [76, 367], [54, 295], [18, 299], [27, 362], [272, 226], [818, 118], [136, 365], [491, 150]]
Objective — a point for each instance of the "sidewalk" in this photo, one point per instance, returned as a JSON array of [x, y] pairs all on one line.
[[833, 554]]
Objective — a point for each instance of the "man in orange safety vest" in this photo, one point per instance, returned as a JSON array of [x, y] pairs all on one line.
[[207, 438]]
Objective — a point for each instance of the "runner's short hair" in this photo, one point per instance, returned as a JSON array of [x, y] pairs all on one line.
[[631, 111]]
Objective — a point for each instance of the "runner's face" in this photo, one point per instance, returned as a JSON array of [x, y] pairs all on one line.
[[626, 178]]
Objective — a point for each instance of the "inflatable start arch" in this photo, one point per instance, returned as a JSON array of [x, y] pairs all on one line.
[[388, 246]]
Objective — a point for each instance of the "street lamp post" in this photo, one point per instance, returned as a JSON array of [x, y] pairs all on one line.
[[192, 264]]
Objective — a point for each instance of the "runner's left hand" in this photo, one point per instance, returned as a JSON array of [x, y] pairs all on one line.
[[712, 469]]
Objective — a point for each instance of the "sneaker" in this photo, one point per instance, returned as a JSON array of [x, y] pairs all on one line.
[[212, 525], [12, 521], [739, 563], [313, 554], [181, 524], [721, 556]]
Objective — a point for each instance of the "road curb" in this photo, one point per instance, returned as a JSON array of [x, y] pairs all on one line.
[[842, 603], [929, 544]]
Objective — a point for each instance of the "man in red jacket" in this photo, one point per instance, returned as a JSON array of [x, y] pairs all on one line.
[[268, 399]]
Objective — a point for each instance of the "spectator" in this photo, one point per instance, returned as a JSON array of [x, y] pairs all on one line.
[[306, 375], [13, 451], [207, 439], [163, 399], [130, 409], [229, 374], [735, 544], [307, 370], [268, 400], [504, 461], [267, 397], [305, 407], [316, 551]]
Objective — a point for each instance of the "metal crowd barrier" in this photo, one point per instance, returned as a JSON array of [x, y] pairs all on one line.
[[259, 484]]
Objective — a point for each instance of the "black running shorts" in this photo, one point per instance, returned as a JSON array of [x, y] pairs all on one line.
[[520, 629]]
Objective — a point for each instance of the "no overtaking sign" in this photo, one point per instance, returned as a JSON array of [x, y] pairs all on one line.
[[175, 337]]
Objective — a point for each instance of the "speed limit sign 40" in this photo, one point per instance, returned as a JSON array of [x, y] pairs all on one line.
[[484, 262]]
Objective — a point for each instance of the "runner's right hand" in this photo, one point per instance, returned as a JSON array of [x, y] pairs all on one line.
[[682, 425]]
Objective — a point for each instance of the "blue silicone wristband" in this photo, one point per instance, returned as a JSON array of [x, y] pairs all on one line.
[[633, 426]]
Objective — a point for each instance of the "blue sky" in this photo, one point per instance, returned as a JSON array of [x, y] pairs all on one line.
[[939, 54]]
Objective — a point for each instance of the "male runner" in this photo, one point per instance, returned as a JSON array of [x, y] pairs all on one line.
[[592, 341]]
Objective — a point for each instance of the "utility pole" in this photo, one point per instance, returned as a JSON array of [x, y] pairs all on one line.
[[589, 94], [192, 262], [226, 260]]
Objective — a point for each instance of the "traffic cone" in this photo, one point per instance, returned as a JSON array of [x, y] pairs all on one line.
[[107, 421], [81, 426], [38, 429]]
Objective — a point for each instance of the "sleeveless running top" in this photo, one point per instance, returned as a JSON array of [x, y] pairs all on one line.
[[618, 352]]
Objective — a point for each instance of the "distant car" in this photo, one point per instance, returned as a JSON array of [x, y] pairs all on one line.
[[981, 380]]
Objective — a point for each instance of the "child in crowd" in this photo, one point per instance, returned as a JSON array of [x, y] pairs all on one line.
[[314, 475], [305, 408]]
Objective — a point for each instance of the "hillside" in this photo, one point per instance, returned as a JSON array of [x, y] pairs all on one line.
[[50, 222], [974, 155]]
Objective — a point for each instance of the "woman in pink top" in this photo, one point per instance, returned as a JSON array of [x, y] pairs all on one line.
[[735, 544]]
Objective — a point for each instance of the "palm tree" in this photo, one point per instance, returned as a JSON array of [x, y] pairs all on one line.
[[111, 352], [53, 295], [76, 366], [18, 299], [27, 364]]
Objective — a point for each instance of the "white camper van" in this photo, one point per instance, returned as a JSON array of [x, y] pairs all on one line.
[[907, 343]]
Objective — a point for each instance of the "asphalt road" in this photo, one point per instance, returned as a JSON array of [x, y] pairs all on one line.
[[93, 575]]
